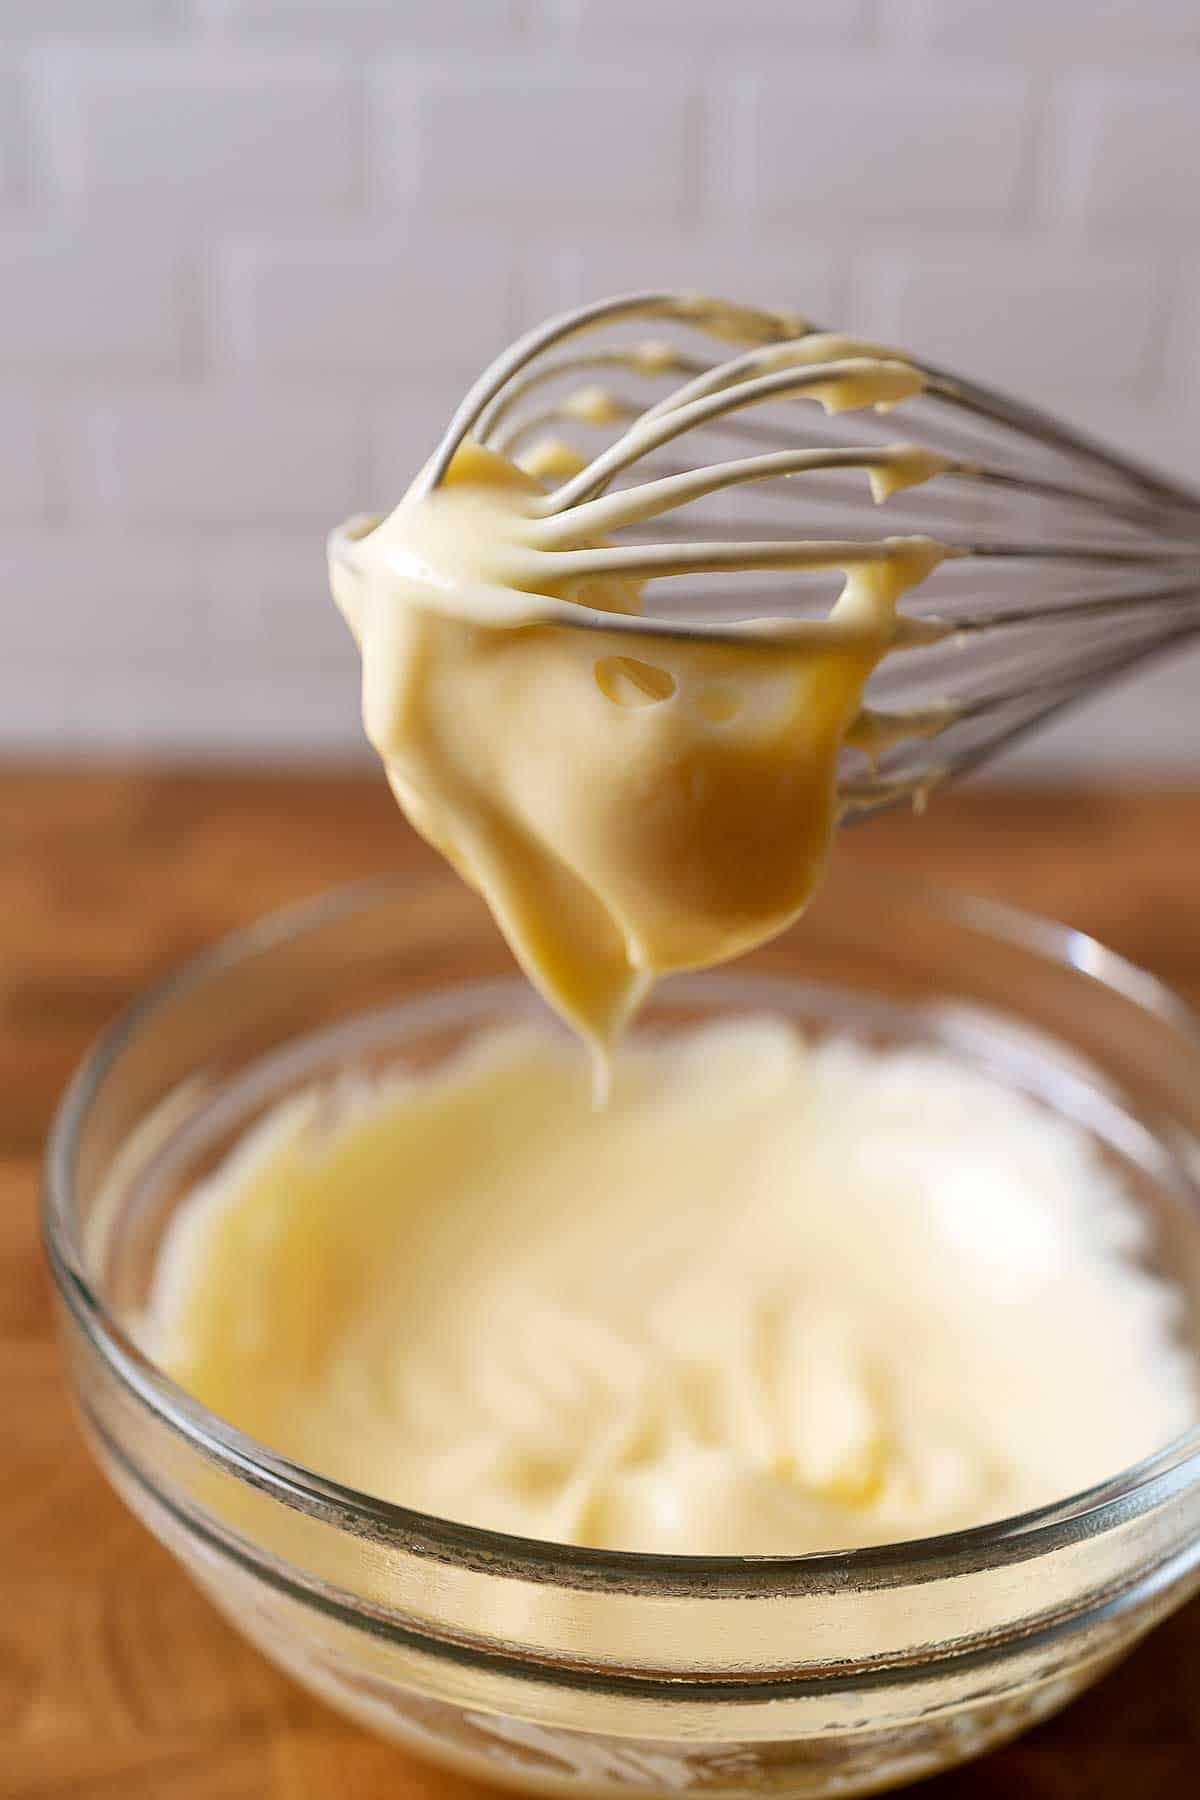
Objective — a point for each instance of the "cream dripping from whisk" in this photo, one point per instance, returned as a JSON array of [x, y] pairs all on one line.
[[626, 804]]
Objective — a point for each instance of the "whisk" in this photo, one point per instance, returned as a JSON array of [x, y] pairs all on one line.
[[1074, 562]]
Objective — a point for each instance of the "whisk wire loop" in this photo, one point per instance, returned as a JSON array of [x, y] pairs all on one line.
[[1069, 562]]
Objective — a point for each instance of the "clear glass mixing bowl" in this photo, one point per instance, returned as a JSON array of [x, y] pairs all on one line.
[[585, 1670]]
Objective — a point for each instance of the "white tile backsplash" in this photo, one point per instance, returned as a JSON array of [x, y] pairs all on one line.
[[1050, 323], [1066, 31], [251, 252], [154, 135], [239, 455], [88, 604], [570, 149], [95, 19], [369, 22], [357, 302], [75, 294], [13, 147], [25, 457], [702, 25], [847, 148], [1130, 148]]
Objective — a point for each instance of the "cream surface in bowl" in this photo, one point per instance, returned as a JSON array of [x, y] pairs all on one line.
[[773, 1298]]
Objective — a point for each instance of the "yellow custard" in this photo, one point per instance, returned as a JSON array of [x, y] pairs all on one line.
[[771, 1300], [627, 804]]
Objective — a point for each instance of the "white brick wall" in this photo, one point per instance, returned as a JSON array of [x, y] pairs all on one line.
[[524, 146], [92, 607], [112, 298], [239, 457], [846, 147], [1130, 150], [12, 136], [765, 24], [24, 456], [346, 303], [85, 18], [206, 134], [1042, 327], [1069, 30], [252, 250], [370, 21]]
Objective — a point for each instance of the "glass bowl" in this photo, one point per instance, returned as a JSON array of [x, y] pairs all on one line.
[[589, 1671]]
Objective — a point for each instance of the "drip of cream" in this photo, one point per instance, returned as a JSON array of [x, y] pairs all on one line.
[[774, 1300], [637, 800]]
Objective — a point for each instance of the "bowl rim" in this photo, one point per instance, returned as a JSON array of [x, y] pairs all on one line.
[[1145, 1485]]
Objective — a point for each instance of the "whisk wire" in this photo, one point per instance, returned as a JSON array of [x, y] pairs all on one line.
[[1016, 496]]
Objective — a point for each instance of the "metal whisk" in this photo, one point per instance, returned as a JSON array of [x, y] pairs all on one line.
[[1076, 562]]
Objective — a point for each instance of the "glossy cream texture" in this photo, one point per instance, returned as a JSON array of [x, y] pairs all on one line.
[[772, 1300], [627, 802]]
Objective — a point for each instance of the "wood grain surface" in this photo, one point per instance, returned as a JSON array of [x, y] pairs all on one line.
[[117, 1680]]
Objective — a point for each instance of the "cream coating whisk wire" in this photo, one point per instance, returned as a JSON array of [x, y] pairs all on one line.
[[1068, 561]]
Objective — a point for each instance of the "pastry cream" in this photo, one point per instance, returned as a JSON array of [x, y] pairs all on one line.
[[774, 1299], [637, 800]]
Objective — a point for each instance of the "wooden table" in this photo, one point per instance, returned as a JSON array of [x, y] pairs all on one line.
[[117, 1680]]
